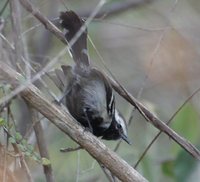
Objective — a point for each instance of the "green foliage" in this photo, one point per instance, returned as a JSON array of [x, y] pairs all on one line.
[[180, 168], [12, 140], [18, 136], [184, 165], [45, 161], [186, 123], [22, 144], [24, 147], [168, 168], [2, 122]]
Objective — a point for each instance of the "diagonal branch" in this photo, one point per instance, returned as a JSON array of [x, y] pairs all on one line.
[[44, 20], [150, 117], [69, 126]]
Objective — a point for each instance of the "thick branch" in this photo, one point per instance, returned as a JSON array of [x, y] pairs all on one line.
[[68, 125]]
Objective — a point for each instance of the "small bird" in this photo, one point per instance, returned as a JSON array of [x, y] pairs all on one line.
[[87, 93]]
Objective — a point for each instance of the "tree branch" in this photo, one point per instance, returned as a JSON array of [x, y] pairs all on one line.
[[42, 145], [69, 126], [44, 20]]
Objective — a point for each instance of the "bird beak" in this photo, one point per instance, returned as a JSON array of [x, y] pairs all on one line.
[[125, 138]]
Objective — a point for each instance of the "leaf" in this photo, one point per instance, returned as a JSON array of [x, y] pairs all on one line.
[[18, 136], [28, 154], [168, 168], [30, 148], [24, 142], [22, 147], [45, 161], [36, 158], [2, 122]]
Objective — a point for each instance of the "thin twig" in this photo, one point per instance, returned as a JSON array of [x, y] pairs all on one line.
[[16, 29], [25, 167], [116, 8], [156, 50], [137, 27], [4, 7], [169, 121], [106, 172], [109, 22], [70, 149], [78, 166], [4, 176]]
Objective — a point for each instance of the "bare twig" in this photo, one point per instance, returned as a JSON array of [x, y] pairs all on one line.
[[106, 172], [15, 19], [9, 176], [68, 125], [156, 50], [4, 7], [70, 149], [4, 176], [117, 8], [48, 24], [39, 133], [25, 167]]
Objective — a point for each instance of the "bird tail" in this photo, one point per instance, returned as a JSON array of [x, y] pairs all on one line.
[[72, 24]]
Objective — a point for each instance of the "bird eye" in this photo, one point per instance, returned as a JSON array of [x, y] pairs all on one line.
[[119, 126]]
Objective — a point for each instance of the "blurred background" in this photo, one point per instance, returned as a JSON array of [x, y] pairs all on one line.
[[152, 48]]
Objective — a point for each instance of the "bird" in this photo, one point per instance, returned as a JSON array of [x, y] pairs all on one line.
[[87, 93]]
